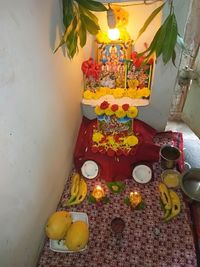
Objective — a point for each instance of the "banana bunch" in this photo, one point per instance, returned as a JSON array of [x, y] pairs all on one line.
[[78, 191], [170, 201]]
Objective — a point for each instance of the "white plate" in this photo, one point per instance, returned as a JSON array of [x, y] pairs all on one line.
[[142, 174], [90, 169], [58, 246]]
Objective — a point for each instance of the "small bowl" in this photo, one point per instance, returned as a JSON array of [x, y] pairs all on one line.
[[171, 178], [190, 183]]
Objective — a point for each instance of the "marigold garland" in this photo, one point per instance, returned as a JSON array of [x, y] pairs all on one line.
[[132, 92], [119, 111]]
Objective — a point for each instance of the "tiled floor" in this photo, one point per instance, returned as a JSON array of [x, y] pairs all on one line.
[[191, 142]]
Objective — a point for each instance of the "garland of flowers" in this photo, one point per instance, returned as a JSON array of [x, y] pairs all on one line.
[[112, 144], [133, 92], [119, 111]]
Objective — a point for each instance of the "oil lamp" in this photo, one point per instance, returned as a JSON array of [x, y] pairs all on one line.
[[98, 192], [135, 199]]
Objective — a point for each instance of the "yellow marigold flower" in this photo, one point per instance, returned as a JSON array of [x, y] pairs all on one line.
[[97, 95], [102, 91], [109, 91], [132, 112], [97, 137], [98, 110], [120, 113], [144, 92], [132, 140], [132, 93], [88, 94], [109, 111], [111, 141], [118, 92]]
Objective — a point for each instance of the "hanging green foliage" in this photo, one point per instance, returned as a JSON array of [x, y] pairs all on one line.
[[166, 38], [78, 20]]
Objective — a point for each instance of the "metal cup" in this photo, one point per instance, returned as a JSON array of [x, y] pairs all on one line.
[[169, 155]]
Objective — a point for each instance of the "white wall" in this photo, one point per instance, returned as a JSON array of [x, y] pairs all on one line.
[[157, 113], [40, 97]]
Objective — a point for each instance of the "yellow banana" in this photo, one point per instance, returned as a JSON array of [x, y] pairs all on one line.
[[81, 193], [176, 205], [74, 189], [75, 184], [165, 197]]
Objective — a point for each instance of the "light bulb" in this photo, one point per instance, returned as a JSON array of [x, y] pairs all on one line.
[[113, 34]]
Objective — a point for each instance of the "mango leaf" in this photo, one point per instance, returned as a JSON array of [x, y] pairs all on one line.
[[170, 39], [92, 5], [90, 25], [72, 44], [91, 199], [161, 38], [62, 42], [149, 20], [152, 47], [82, 34], [86, 12], [71, 40], [68, 12]]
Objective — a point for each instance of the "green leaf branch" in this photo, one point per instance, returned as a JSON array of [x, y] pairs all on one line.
[[78, 20], [166, 38]]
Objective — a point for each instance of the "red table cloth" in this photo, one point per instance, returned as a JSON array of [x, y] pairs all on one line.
[[147, 241], [118, 167]]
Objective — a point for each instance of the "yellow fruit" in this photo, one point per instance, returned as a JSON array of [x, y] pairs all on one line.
[[77, 236], [58, 224]]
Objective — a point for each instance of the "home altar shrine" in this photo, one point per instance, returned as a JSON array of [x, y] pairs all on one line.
[[124, 215], [116, 84]]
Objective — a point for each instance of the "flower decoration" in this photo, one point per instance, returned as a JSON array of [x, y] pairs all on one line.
[[132, 91], [91, 69], [143, 92], [114, 107], [113, 144], [104, 105], [125, 107], [131, 140], [132, 112], [97, 137], [88, 94], [109, 111], [99, 111], [120, 113], [118, 92]]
